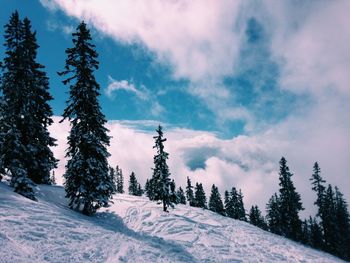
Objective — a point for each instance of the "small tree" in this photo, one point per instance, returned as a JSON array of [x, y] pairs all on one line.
[[199, 196], [181, 196], [189, 193], [256, 218], [133, 185], [274, 215], [120, 180], [173, 195], [215, 201]]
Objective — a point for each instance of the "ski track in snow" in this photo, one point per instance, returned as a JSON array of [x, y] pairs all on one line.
[[133, 229]]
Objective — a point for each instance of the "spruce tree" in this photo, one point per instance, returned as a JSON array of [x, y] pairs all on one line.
[[215, 201], [240, 207], [160, 182], [305, 236], [139, 190], [88, 184], [256, 218], [15, 150], [329, 221], [181, 196], [120, 180], [316, 235], [343, 225], [133, 184], [189, 193], [229, 207], [273, 209], [290, 203], [39, 112], [173, 195], [200, 199]]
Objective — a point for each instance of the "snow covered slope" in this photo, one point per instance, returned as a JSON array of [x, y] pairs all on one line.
[[133, 230]]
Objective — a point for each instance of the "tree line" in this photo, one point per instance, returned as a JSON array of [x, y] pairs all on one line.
[[26, 157]]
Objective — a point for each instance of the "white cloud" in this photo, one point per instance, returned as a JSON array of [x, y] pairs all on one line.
[[115, 85]]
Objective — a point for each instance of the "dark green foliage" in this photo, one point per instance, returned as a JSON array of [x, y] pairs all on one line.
[[173, 195], [215, 201], [139, 190], [159, 187], [181, 196], [119, 180], [189, 193], [290, 204], [274, 214], [343, 225], [199, 196], [317, 186], [88, 183], [25, 112], [305, 236], [133, 185], [316, 235], [234, 206], [256, 218]]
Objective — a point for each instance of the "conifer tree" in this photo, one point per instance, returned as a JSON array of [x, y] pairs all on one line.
[[228, 204], [318, 187], [160, 182], [256, 218], [290, 204], [139, 190], [329, 221], [39, 112], [240, 207], [133, 185], [316, 235], [112, 174], [14, 149], [200, 199], [88, 184], [173, 195], [120, 180], [273, 216], [343, 225], [189, 193], [181, 196], [305, 236], [215, 201]]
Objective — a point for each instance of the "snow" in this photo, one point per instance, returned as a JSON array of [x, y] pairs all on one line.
[[133, 229]]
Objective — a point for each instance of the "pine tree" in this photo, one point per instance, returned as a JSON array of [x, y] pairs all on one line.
[[290, 204], [173, 195], [305, 236], [199, 196], [273, 216], [88, 184], [343, 225], [160, 182], [133, 184], [329, 221], [120, 180], [139, 190], [256, 218], [181, 196], [229, 208], [215, 201], [112, 174], [316, 235], [189, 193], [240, 207], [16, 155], [39, 112], [318, 186]]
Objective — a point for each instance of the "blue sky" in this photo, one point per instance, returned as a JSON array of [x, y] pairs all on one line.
[[237, 84], [168, 99]]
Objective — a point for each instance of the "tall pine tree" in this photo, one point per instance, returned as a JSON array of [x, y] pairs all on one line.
[[181, 196], [14, 148], [119, 180], [133, 184], [290, 203], [160, 182], [88, 184]]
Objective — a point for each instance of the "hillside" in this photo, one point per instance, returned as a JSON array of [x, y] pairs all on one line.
[[133, 229]]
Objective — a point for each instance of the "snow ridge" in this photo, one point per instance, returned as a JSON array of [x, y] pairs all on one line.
[[133, 229]]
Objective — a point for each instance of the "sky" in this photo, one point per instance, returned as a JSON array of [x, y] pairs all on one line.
[[236, 85]]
